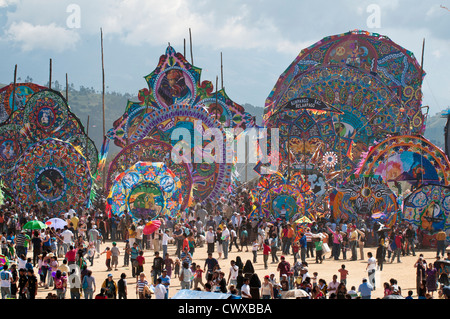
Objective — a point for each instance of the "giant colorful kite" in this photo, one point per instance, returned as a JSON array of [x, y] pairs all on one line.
[[54, 172], [362, 196], [428, 208], [177, 100], [40, 122], [407, 162], [152, 150], [145, 191], [9, 102], [370, 53]]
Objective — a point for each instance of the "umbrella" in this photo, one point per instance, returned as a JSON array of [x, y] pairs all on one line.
[[3, 260], [151, 226], [56, 223], [393, 297], [34, 224], [303, 220], [296, 293]]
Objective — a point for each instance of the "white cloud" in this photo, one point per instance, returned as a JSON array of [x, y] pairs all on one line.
[[6, 3], [50, 37]]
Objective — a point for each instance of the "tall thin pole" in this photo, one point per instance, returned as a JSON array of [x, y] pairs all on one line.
[[184, 48], [421, 81], [87, 127], [67, 88], [103, 83], [50, 76], [14, 89], [190, 40], [103, 101], [221, 70], [87, 141], [421, 61]]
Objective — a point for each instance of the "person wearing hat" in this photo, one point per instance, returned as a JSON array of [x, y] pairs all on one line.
[[110, 286]]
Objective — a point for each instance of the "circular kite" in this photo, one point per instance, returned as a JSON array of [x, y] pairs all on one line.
[[21, 94], [362, 196], [10, 147], [145, 190], [151, 150], [369, 109], [54, 172], [284, 198], [44, 115], [428, 208], [204, 139], [406, 162], [372, 54]]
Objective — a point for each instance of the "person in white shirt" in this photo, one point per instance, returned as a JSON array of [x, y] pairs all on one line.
[[5, 282], [210, 239], [165, 241], [371, 268], [140, 234], [232, 277], [160, 289], [67, 236], [245, 290], [225, 241]]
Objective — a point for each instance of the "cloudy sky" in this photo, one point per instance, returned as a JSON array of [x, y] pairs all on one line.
[[258, 39]]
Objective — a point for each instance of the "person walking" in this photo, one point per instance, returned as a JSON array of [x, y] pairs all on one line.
[[88, 285], [5, 282], [122, 289], [371, 268], [440, 242], [185, 276]]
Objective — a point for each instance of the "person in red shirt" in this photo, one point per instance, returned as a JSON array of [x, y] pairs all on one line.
[[266, 252], [344, 273], [284, 267], [398, 249], [102, 294], [141, 261], [71, 255]]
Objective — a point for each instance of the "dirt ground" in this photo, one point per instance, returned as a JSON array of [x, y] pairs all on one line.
[[404, 272]]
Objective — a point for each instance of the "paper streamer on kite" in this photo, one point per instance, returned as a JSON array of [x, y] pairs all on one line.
[[102, 157], [145, 190]]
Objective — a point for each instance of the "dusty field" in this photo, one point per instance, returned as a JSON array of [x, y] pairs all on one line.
[[404, 272]]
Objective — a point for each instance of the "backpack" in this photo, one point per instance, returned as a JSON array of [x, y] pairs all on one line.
[[58, 283], [85, 283]]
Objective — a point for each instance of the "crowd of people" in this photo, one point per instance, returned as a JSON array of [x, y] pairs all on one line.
[[60, 260]]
